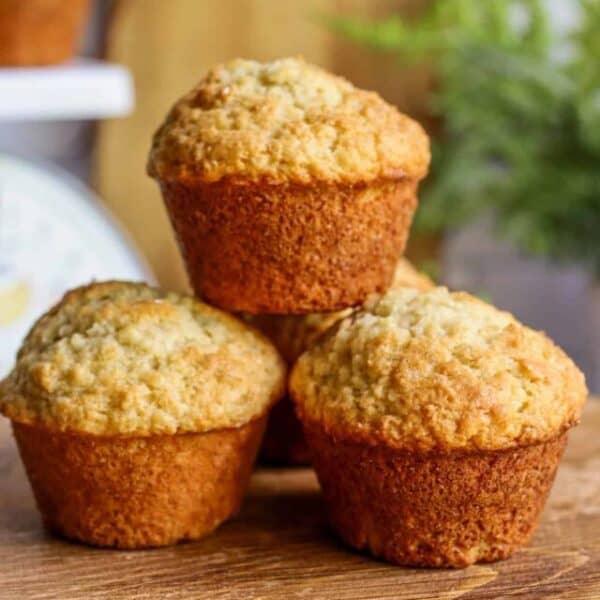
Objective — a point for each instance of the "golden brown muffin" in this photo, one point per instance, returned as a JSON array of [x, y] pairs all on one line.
[[290, 190], [138, 413], [436, 424], [284, 440], [40, 32]]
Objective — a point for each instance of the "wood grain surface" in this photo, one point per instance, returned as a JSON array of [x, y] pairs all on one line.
[[280, 547]]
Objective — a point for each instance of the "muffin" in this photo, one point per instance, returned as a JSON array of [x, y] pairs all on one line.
[[290, 190], [436, 424], [40, 32], [138, 414], [284, 441]]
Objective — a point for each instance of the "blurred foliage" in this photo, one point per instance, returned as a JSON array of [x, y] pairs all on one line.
[[520, 112]]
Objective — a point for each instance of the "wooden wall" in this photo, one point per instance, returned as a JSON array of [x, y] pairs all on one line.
[[169, 45]]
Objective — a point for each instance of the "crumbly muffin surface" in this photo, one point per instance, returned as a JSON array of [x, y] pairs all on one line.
[[125, 358], [435, 371], [287, 121], [293, 334]]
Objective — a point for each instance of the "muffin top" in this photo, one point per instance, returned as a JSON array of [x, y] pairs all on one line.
[[285, 121], [293, 334], [437, 371], [125, 358]]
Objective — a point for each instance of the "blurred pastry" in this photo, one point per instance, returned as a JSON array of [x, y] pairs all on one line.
[[290, 190], [40, 32]]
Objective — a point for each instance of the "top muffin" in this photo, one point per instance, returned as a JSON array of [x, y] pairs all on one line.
[[285, 121], [437, 370], [125, 358]]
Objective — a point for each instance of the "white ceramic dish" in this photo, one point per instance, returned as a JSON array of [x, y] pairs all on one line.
[[54, 235]]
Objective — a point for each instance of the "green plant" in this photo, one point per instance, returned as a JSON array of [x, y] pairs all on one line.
[[521, 126]]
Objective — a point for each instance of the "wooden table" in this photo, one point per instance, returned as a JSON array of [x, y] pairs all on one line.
[[280, 547]]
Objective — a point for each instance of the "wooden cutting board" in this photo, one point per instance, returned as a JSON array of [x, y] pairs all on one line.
[[280, 547]]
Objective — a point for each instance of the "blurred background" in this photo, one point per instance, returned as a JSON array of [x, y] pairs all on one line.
[[508, 89]]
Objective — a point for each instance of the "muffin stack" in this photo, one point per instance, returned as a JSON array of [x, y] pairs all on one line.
[[291, 192], [434, 421]]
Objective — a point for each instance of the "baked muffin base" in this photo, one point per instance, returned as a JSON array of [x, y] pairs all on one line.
[[284, 442], [138, 492], [289, 248], [435, 510], [40, 32]]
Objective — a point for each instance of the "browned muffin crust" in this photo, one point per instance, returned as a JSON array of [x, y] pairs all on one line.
[[437, 370], [290, 248], [116, 358], [187, 485], [40, 32], [285, 121], [434, 509]]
